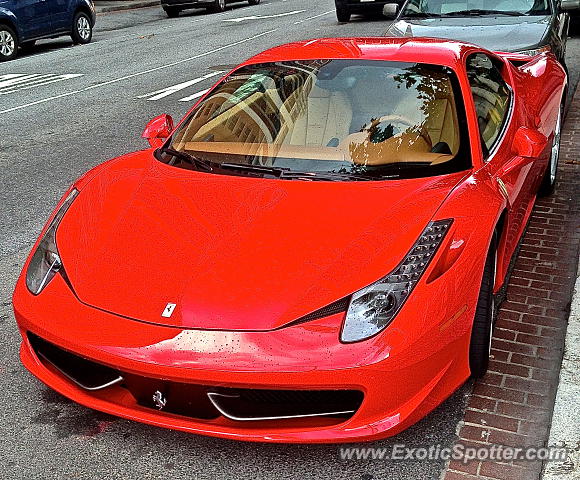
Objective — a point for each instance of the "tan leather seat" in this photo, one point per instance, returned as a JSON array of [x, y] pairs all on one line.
[[327, 117], [442, 122]]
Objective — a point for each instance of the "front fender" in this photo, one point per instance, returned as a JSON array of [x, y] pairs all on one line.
[[479, 203], [7, 16]]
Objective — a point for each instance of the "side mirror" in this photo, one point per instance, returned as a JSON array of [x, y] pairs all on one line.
[[529, 143], [158, 130], [390, 10], [566, 6]]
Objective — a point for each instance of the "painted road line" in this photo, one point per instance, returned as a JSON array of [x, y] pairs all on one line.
[[165, 92], [137, 74], [262, 17], [312, 18], [14, 78], [194, 96], [36, 81]]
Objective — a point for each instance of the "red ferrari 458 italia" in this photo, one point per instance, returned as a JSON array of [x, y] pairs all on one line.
[[311, 255]]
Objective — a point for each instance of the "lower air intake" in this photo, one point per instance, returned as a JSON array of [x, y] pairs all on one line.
[[258, 404], [86, 374]]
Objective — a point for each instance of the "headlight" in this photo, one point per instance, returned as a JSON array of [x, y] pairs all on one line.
[[45, 262], [535, 51], [374, 307]]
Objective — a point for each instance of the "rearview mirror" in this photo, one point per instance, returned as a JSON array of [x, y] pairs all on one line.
[[390, 10], [529, 143], [158, 130]]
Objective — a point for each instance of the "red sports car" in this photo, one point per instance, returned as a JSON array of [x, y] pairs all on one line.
[[311, 255]]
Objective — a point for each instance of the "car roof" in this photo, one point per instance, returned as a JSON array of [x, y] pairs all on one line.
[[403, 49]]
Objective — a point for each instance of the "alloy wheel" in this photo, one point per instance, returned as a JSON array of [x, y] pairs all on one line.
[[83, 28], [555, 154], [7, 43]]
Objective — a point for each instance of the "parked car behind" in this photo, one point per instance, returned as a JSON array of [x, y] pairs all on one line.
[[571, 6], [23, 22], [345, 8], [173, 7], [524, 26]]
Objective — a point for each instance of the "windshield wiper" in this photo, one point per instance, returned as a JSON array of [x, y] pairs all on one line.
[[421, 15], [197, 162], [477, 12], [276, 171], [287, 174], [329, 176]]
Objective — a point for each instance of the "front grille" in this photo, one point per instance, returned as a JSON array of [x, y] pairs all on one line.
[[187, 399], [201, 402], [246, 404]]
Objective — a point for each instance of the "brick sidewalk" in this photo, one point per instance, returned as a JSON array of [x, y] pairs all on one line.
[[512, 405]]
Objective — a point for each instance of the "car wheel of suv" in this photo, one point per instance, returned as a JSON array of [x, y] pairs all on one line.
[[171, 12], [342, 14], [8, 43], [484, 320], [549, 180], [218, 6], [82, 30], [253, 2]]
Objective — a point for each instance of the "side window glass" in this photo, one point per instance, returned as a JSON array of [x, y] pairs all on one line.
[[491, 96]]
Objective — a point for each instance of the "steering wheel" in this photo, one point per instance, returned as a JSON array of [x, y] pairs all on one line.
[[400, 119]]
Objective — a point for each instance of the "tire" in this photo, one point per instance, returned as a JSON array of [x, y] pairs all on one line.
[[218, 6], [8, 44], [253, 2], [172, 12], [549, 180], [484, 320], [82, 29], [342, 14]]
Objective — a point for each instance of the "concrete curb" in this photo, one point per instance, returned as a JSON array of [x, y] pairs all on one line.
[[565, 429], [102, 7]]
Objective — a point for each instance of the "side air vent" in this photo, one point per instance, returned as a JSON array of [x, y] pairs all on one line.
[[330, 309], [86, 374]]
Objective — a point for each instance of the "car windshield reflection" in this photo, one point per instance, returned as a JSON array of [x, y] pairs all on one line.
[[435, 8], [371, 119]]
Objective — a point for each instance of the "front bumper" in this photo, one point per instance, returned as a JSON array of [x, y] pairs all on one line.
[[401, 380], [357, 6], [187, 3]]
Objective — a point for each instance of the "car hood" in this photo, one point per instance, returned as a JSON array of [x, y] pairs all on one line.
[[496, 33], [234, 253]]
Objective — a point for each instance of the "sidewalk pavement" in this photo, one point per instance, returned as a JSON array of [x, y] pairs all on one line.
[[103, 6], [513, 404], [565, 431]]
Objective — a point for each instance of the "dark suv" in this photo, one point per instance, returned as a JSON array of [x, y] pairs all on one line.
[[173, 7], [345, 8], [22, 22]]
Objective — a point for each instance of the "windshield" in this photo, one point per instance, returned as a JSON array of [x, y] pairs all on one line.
[[475, 7], [332, 119]]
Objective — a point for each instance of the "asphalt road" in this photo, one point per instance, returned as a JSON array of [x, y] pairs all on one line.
[[90, 103]]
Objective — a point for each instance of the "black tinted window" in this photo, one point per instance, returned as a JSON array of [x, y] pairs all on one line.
[[491, 96], [465, 8]]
